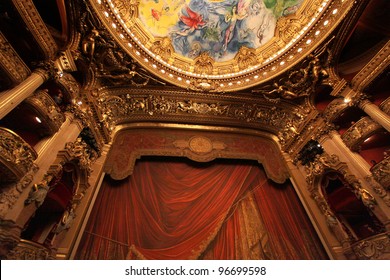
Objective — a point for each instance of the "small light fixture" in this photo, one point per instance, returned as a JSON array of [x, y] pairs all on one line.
[[347, 100], [38, 120]]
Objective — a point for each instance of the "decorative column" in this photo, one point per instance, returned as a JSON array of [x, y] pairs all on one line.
[[47, 154], [13, 97], [333, 144]]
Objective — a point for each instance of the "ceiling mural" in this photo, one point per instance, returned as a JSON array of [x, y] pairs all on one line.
[[219, 45], [218, 27]]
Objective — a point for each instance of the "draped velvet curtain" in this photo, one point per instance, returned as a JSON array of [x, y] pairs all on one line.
[[177, 209]]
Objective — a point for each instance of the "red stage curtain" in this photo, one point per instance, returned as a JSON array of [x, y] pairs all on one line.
[[182, 210]]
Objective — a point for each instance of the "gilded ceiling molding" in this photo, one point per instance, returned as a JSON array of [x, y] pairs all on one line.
[[198, 143], [360, 131], [10, 62], [123, 105], [372, 69], [315, 20], [37, 27]]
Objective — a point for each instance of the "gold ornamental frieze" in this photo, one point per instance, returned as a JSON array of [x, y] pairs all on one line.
[[118, 107], [232, 44]]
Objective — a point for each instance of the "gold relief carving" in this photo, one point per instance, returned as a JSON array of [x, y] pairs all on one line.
[[127, 9], [378, 189], [119, 109], [200, 145], [11, 63], [334, 109], [16, 156], [359, 131], [10, 194], [163, 47], [204, 64], [245, 58], [381, 172], [288, 28], [80, 151], [202, 108], [28, 250], [205, 85], [69, 84], [373, 248]]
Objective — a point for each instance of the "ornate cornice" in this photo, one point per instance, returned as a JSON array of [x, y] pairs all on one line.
[[123, 105], [373, 68], [37, 27], [10, 62]]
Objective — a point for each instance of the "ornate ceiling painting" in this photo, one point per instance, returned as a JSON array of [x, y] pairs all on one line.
[[219, 45]]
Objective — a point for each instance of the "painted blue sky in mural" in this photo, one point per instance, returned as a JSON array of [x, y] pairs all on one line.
[[219, 27]]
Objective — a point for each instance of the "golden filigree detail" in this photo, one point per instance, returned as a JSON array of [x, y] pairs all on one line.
[[359, 131], [204, 64], [127, 9], [28, 250], [373, 248], [16, 156], [162, 47], [245, 57], [381, 172]]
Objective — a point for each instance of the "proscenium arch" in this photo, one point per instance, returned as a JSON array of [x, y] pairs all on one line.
[[197, 142]]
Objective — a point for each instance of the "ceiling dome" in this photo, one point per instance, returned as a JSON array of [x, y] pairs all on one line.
[[219, 45]]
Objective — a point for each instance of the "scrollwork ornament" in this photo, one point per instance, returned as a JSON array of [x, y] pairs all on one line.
[[374, 248]]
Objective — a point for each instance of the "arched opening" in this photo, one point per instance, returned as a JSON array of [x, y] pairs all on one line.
[[357, 218], [40, 228]]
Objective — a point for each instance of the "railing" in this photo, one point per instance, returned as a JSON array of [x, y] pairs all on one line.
[[16, 156], [359, 131], [28, 250]]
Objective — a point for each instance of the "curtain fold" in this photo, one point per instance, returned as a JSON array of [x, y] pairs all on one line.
[[181, 210]]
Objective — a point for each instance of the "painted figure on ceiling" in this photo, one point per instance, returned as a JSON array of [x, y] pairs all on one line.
[[218, 27]]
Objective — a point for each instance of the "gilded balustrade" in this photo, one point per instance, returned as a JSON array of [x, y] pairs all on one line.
[[360, 131], [16, 156]]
